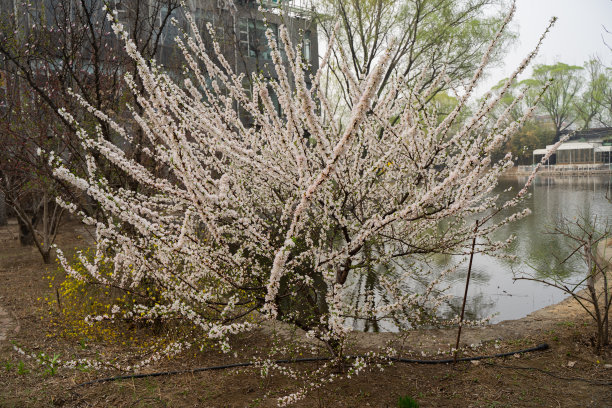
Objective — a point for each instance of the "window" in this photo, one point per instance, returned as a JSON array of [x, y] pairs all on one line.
[[223, 4], [203, 18], [275, 101], [306, 46], [245, 116], [121, 9], [253, 40]]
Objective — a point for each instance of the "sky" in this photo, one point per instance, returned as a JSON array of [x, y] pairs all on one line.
[[576, 36]]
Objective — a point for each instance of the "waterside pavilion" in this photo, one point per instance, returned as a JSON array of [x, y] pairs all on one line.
[[588, 150]]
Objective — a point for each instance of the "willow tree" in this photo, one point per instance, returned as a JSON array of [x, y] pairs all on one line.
[[429, 36], [594, 106], [559, 101]]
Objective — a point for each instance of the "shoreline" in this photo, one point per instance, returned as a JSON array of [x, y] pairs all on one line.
[[539, 321]]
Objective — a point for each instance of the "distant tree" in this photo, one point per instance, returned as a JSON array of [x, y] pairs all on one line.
[[431, 37], [513, 102], [559, 101], [604, 115], [531, 136], [444, 104], [591, 104]]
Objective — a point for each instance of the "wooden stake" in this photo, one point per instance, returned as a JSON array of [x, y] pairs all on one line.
[[467, 285]]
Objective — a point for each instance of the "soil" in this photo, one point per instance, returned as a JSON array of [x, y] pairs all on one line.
[[568, 374]]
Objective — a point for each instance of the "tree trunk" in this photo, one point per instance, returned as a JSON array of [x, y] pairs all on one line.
[[46, 244], [3, 216], [46, 256], [26, 237]]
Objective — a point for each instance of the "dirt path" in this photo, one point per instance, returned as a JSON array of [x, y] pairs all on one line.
[[7, 324]]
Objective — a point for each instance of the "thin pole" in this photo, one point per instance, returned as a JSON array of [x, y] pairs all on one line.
[[467, 285]]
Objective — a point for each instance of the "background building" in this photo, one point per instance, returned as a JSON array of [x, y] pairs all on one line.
[[587, 147], [52, 48], [239, 27]]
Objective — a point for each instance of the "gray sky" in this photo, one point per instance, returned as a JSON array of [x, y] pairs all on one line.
[[576, 36]]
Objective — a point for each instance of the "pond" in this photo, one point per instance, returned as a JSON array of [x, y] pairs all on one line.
[[493, 292]]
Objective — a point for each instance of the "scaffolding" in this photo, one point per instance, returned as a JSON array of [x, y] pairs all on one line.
[[296, 8]]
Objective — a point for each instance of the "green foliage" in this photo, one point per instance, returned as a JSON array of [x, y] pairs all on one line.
[[50, 363], [444, 104], [21, 370], [431, 34], [506, 101], [530, 137], [570, 97], [407, 402], [590, 105], [558, 101]]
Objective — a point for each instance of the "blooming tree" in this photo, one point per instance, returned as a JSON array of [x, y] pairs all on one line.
[[277, 220]]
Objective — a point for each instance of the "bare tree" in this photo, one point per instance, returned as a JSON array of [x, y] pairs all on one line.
[[49, 49], [592, 105], [25, 177], [592, 289]]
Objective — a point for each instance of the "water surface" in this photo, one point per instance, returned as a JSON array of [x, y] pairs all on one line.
[[493, 292]]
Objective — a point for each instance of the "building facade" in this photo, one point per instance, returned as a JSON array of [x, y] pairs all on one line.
[[239, 27]]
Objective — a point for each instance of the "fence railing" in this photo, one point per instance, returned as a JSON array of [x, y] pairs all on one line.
[[563, 168]]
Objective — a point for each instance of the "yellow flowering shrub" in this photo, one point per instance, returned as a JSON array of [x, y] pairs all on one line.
[[72, 302]]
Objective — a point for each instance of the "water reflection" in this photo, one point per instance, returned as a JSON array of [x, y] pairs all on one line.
[[493, 292]]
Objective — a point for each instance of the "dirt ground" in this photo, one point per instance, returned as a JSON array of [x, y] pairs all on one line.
[[568, 374]]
